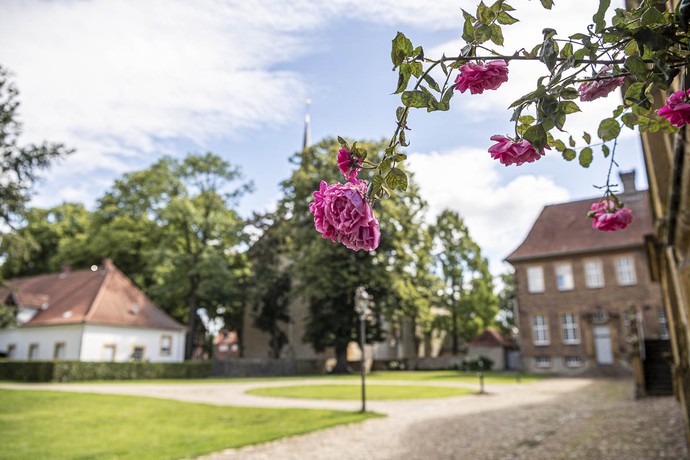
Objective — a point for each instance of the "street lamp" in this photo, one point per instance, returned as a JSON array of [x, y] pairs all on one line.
[[362, 299]]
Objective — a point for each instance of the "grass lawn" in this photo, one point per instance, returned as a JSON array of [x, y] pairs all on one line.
[[47, 425], [374, 392]]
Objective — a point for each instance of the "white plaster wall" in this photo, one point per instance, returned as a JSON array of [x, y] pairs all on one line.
[[96, 337], [46, 337]]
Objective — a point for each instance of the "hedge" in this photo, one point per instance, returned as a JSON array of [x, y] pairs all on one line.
[[72, 371]]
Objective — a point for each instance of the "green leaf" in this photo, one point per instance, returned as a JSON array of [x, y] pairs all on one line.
[[447, 96], [558, 145], [399, 113], [586, 157], [527, 119], [608, 129], [416, 99], [567, 51], [605, 150], [343, 143], [569, 93], [569, 154], [399, 157], [496, 34], [432, 83], [637, 67], [485, 15], [547, 4], [536, 135], [401, 138], [587, 137], [417, 69], [404, 75], [629, 119], [506, 19], [397, 178], [468, 29], [598, 17], [569, 107], [571, 141], [631, 48], [401, 49], [482, 33], [548, 53]]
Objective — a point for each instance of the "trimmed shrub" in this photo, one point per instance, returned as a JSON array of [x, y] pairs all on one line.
[[473, 364], [74, 371]]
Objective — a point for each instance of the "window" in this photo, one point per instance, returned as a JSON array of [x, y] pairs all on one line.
[[166, 345], [573, 361], [535, 279], [138, 353], [625, 270], [59, 350], [571, 334], [11, 350], [109, 353], [663, 325], [564, 277], [594, 273], [540, 330], [543, 361], [33, 351]]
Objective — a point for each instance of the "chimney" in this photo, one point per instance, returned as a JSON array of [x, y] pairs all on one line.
[[628, 180], [108, 264]]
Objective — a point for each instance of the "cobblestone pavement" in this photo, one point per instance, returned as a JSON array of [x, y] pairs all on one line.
[[550, 419]]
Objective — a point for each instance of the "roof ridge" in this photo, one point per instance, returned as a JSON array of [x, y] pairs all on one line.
[[97, 298]]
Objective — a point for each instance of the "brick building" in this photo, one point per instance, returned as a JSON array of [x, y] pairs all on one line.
[[579, 289]]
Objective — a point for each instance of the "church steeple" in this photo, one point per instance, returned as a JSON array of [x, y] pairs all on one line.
[[307, 122]]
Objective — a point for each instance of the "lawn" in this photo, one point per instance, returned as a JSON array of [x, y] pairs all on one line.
[[46, 424], [353, 392]]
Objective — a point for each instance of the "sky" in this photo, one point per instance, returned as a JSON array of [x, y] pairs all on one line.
[[126, 82]]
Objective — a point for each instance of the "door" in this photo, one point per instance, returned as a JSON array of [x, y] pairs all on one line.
[[602, 345]]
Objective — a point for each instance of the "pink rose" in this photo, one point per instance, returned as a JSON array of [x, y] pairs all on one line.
[[591, 90], [348, 165], [677, 108], [608, 218], [480, 77], [509, 152], [341, 213]]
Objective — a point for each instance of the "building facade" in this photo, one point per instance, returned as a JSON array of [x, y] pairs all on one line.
[[585, 297], [87, 315]]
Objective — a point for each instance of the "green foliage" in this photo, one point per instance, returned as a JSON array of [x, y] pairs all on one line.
[[126, 427], [19, 165], [468, 286], [74, 371], [480, 364]]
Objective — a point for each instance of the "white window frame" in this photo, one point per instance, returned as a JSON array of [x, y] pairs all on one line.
[[166, 350], [60, 350], [564, 276], [108, 355], [570, 329], [543, 362], [34, 349], [573, 361], [535, 279], [625, 271], [664, 332], [594, 273], [134, 353], [540, 330]]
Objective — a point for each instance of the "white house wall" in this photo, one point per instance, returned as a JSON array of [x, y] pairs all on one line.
[[46, 338], [97, 338]]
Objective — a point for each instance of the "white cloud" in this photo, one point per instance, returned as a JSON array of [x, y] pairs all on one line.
[[497, 212]]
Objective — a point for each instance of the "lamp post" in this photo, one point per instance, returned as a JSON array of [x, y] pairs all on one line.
[[362, 308]]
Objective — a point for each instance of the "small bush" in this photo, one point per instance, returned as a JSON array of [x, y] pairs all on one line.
[[73, 371], [473, 364]]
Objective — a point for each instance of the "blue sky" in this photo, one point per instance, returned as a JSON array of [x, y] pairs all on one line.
[[126, 82]]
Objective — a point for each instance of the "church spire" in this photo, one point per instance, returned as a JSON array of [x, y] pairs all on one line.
[[307, 122]]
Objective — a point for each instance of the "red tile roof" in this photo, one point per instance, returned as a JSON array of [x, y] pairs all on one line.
[[564, 229], [491, 338], [104, 296]]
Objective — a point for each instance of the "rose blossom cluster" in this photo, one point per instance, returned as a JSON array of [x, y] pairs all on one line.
[[608, 217], [341, 212], [481, 77], [509, 152], [595, 89], [677, 108]]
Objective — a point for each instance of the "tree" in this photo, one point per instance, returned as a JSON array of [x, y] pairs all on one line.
[[326, 274], [19, 164], [468, 291], [506, 304]]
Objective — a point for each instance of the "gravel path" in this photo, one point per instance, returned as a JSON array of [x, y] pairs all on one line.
[[550, 419]]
